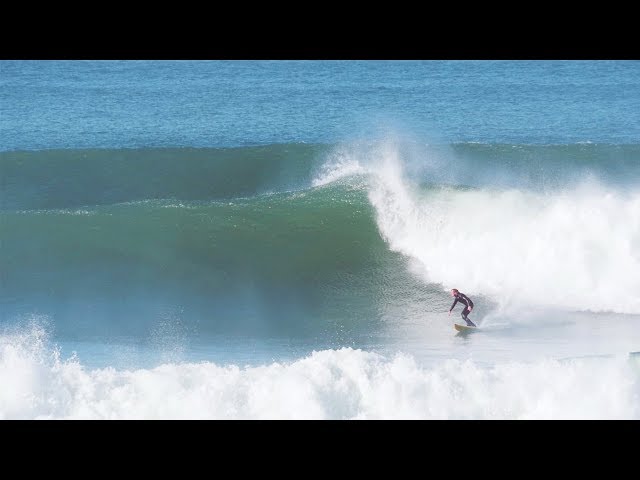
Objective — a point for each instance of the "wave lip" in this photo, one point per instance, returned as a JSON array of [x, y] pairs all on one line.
[[74, 178]]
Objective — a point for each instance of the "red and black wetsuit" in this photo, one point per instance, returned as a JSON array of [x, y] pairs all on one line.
[[462, 298]]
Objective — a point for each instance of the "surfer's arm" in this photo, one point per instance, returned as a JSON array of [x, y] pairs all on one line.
[[454, 304]]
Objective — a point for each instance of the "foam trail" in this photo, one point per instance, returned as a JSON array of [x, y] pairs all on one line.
[[330, 384]]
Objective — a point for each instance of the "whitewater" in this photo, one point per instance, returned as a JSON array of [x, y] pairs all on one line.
[[330, 384]]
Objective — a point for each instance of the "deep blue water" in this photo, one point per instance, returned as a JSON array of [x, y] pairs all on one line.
[[90, 104]]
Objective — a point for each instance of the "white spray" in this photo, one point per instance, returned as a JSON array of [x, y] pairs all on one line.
[[575, 249]]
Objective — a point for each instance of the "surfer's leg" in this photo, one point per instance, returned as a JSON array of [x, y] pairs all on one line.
[[464, 314]]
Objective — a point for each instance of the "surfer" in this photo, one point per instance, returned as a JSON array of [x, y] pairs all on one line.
[[462, 298]]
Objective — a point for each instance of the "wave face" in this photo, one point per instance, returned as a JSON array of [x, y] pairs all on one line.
[[329, 384], [303, 238]]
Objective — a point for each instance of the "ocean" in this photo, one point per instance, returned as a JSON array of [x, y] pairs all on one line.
[[278, 239]]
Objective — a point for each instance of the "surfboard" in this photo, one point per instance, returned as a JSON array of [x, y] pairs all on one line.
[[464, 328]]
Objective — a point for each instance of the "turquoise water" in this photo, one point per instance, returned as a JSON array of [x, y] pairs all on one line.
[[187, 239]]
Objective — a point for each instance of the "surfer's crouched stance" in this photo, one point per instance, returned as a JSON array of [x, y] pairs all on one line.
[[462, 298]]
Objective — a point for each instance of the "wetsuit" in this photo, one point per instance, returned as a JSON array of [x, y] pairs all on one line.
[[462, 298]]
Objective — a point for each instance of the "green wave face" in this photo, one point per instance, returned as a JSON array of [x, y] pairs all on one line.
[[278, 261], [257, 238]]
